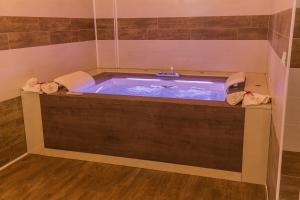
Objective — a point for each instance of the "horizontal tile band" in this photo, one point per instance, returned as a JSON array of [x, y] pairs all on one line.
[[187, 28], [279, 31], [23, 32], [295, 60]]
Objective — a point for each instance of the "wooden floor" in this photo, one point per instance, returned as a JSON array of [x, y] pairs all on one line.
[[44, 178]]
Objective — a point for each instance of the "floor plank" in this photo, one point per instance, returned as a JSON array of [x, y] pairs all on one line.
[[39, 177]]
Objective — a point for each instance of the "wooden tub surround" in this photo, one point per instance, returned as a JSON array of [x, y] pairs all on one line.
[[175, 131], [206, 135]]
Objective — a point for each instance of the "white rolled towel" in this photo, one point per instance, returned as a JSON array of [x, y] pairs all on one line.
[[49, 88], [32, 85], [76, 81]]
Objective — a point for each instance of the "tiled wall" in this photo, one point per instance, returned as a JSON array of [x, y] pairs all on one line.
[[279, 34], [173, 35], [23, 32], [187, 28], [292, 126], [279, 38], [290, 174], [185, 34], [295, 62], [12, 131], [42, 39]]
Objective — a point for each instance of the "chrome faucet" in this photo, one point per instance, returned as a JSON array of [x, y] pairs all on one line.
[[166, 74]]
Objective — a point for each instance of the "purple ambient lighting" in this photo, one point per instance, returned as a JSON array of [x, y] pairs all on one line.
[[183, 88]]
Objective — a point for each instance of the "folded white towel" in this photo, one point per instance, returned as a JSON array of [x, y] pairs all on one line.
[[248, 98], [32, 85], [253, 99], [76, 82], [49, 88]]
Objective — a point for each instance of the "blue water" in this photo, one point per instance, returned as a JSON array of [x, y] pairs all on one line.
[[154, 87]]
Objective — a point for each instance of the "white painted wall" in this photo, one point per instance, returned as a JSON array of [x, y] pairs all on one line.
[[200, 55], [45, 62], [47, 8], [180, 8], [250, 56]]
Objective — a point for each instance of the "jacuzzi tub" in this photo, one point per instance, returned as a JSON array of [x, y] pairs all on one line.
[[178, 120], [207, 134], [197, 88]]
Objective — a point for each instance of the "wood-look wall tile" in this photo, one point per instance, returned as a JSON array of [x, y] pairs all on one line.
[[60, 37], [174, 23], [228, 21], [291, 164], [284, 22], [260, 21], [169, 34], [4, 41], [214, 34], [28, 39], [203, 28], [252, 34], [17, 149], [297, 24], [279, 31], [4, 156], [55, 24], [12, 130], [196, 22], [281, 22], [133, 34], [19, 24], [105, 23], [279, 43], [79, 23], [295, 60], [105, 29], [137, 23], [135, 29], [86, 35], [105, 34], [23, 32]]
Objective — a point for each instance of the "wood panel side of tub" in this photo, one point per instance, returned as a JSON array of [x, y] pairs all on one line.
[[188, 134]]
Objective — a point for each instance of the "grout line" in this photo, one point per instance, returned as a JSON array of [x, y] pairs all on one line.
[[14, 161], [96, 35]]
